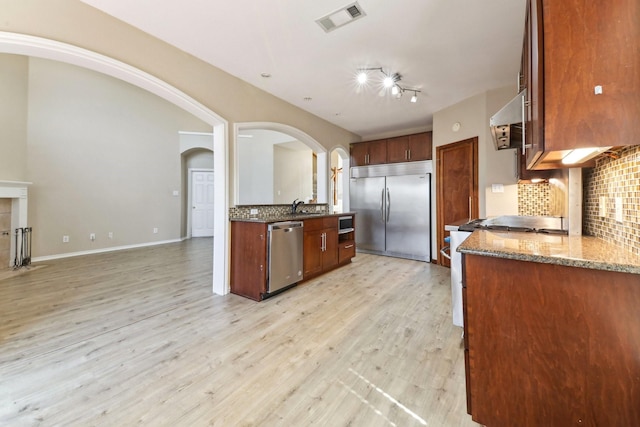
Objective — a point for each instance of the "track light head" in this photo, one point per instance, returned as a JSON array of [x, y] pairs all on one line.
[[390, 81]]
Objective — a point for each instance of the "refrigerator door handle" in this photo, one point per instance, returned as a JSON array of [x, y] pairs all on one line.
[[388, 204], [382, 206]]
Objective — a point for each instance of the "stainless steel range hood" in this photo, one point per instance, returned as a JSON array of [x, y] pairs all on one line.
[[506, 124]]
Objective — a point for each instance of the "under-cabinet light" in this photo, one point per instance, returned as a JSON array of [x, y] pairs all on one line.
[[580, 155]]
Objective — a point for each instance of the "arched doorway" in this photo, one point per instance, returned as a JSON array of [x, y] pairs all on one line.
[[20, 44], [339, 180], [322, 178]]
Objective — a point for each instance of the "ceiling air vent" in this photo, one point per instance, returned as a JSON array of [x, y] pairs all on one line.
[[341, 17]]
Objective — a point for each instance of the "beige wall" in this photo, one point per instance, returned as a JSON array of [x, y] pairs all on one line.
[[103, 156], [494, 167], [13, 117], [73, 22]]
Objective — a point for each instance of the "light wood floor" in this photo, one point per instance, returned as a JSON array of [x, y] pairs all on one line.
[[137, 338]]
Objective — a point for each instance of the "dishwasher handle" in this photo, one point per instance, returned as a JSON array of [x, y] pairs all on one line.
[[286, 226]]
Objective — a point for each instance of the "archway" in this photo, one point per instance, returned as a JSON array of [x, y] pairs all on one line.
[[321, 153], [21, 44], [339, 166]]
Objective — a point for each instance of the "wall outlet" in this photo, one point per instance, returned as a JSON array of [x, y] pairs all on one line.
[[155, 230], [619, 217], [318, 208], [65, 239], [92, 236], [602, 205], [253, 212], [176, 193], [111, 234]]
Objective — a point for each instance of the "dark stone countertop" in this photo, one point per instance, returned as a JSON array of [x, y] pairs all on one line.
[[573, 251], [290, 217]]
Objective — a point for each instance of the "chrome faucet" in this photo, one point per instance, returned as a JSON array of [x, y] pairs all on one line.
[[294, 206]]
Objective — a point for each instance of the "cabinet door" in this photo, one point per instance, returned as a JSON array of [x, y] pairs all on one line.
[[588, 45], [377, 152], [312, 259], [330, 255], [359, 154], [248, 275], [420, 147], [534, 81], [398, 149]]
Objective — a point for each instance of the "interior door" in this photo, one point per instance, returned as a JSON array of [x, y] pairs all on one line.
[[202, 204], [367, 200], [457, 186], [408, 216]]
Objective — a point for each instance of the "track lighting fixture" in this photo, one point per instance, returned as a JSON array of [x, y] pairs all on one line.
[[389, 81]]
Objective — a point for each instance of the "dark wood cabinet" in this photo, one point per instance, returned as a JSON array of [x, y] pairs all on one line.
[[550, 344], [320, 245], [582, 74], [369, 153], [324, 248], [248, 273], [409, 148]]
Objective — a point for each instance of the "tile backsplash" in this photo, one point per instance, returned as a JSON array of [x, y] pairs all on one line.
[[266, 211], [613, 179], [534, 199]]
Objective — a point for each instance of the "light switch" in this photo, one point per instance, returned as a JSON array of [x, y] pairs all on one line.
[[497, 188]]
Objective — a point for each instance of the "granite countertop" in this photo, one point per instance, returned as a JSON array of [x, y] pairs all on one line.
[[572, 251], [289, 217]]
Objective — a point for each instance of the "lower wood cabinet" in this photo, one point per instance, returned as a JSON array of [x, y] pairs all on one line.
[[346, 250], [324, 248], [320, 245], [550, 345], [248, 273]]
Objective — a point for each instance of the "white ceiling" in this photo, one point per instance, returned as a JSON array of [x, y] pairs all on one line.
[[448, 49]]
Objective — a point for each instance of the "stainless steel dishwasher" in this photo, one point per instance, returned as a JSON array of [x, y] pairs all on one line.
[[284, 255]]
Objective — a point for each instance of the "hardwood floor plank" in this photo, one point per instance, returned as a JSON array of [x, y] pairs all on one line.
[[137, 337]]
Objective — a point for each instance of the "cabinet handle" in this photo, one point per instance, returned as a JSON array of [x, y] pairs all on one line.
[[406, 154], [348, 246], [524, 129], [324, 242], [470, 209], [409, 151]]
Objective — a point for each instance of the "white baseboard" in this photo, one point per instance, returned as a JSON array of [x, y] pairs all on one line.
[[103, 250]]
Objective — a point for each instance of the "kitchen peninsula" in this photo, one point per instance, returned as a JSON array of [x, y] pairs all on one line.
[[552, 330], [328, 243]]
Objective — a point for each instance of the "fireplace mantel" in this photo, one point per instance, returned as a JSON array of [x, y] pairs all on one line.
[[18, 193]]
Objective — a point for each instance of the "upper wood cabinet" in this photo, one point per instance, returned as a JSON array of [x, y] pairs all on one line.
[[409, 148], [369, 153], [582, 74]]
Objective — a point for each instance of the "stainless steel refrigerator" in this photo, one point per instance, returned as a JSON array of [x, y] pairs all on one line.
[[393, 206]]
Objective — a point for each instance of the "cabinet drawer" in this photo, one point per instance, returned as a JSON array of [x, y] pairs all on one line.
[[346, 250], [313, 224], [330, 222]]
